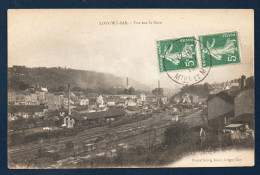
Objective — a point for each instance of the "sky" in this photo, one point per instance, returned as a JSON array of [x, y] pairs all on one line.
[[75, 39]]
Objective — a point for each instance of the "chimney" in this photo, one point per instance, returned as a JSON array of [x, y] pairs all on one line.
[[243, 79], [158, 84], [69, 100], [127, 82]]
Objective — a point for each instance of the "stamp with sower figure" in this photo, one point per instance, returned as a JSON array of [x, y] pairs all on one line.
[[177, 54], [188, 60], [222, 47]]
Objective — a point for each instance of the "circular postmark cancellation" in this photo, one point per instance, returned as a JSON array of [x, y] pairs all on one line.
[[180, 59]]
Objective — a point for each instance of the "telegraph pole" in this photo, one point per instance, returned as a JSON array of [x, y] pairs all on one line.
[[149, 138], [69, 113], [158, 90]]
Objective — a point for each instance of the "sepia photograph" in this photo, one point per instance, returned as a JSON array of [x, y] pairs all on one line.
[[130, 88]]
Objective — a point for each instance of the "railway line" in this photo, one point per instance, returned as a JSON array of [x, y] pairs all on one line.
[[85, 136], [156, 122]]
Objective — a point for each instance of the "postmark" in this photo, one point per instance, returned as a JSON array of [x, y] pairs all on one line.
[[223, 48], [177, 54], [180, 60]]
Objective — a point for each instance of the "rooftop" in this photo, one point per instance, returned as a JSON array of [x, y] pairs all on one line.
[[224, 96], [234, 126], [105, 114], [81, 108], [247, 117], [25, 108]]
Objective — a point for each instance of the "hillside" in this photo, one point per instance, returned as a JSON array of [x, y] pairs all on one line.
[[202, 90], [21, 76]]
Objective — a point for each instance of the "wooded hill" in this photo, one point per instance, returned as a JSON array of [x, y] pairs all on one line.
[[21, 77]]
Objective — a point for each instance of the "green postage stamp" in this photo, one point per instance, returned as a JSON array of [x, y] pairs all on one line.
[[214, 50], [177, 54], [220, 49]]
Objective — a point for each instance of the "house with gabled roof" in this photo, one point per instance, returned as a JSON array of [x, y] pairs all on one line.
[[245, 107], [220, 109], [26, 111]]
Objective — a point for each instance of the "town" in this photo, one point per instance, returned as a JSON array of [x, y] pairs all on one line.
[[75, 129]]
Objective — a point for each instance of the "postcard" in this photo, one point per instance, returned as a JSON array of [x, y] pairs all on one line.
[[130, 88]]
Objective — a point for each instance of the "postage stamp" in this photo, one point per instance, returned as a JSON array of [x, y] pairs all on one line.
[[185, 59], [180, 59], [222, 47], [177, 54]]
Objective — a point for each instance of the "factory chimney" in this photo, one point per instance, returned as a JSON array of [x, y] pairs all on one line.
[[158, 91], [69, 113], [126, 82], [243, 79]]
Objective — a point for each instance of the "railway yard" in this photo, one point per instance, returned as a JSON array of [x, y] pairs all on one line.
[[94, 142]]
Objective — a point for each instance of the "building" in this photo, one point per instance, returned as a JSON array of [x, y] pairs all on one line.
[[24, 98], [164, 100], [104, 115], [197, 99], [177, 98], [215, 88], [84, 102], [54, 101], [82, 109], [112, 98], [68, 122], [66, 102], [131, 102], [96, 117], [142, 97], [63, 112], [25, 111], [244, 102], [100, 101], [186, 98], [41, 96], [151, 99], [44, 89], [111, 103], [231, 85], [31, 99], [245, 107], [122, 104], [11, 97], [220, 109]]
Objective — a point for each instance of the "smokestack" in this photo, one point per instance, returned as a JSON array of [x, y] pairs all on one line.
[[243, 78], [158, 84], [127, 82], [69, 100]]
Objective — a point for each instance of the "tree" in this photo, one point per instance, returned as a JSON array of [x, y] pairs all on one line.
[[191, 98], [130, 91], [62, 88], [174, 134], [76, 88], [157, 91], [69, 145]]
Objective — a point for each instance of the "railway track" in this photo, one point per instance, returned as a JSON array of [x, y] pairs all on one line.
[[85, 136]]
